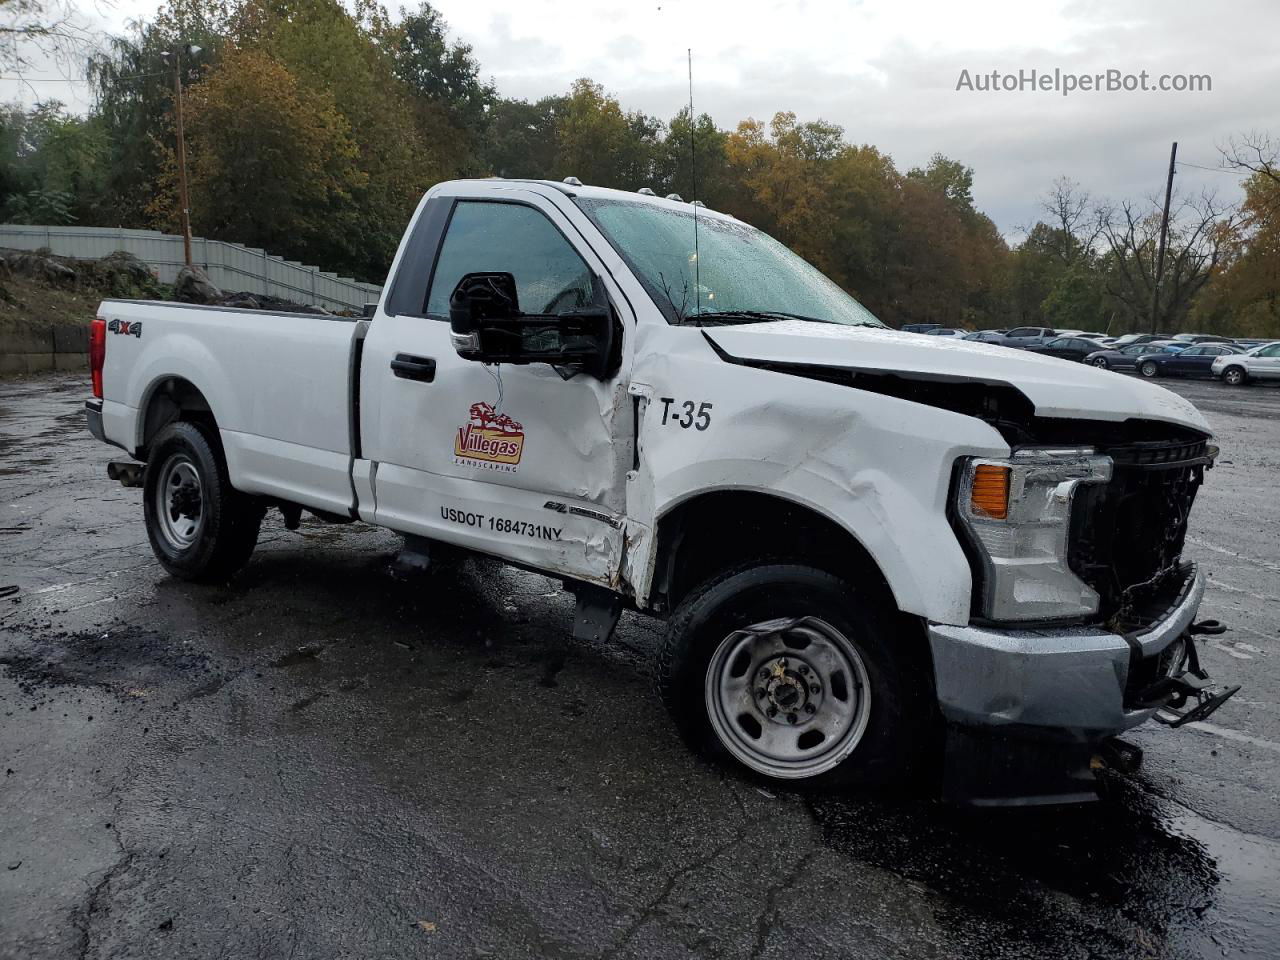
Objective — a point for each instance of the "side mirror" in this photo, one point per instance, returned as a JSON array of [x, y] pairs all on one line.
[[487, 326]]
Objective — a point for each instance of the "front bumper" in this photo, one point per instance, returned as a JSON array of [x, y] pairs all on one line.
[[1030, 713], [1070, 680]]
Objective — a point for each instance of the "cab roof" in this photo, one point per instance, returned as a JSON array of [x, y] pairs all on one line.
[[589, 192]]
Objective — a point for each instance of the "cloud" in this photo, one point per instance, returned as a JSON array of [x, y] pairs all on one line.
[[886, 71]]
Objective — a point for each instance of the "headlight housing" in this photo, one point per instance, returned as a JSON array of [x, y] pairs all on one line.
[[1017, 512]]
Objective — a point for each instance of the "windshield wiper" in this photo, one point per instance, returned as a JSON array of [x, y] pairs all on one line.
[[727, 317]]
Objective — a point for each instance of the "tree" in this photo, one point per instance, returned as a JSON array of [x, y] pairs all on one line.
[[521, 138], [53, 165], [52, 29], [330, 52], [435, 68], [594, 140], [1201, 232], [1075, 302], [950, 178], [690, 161], [443, 81], [782, 173], [1244, 295], [271, 162], [1073, 220], [133, 92]]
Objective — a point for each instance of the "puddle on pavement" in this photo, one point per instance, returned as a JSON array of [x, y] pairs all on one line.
[[1130, 875]]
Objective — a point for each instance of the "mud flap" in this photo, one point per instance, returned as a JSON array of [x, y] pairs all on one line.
[[596, 613]]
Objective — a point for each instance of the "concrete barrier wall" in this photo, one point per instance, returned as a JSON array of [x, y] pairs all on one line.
[[64, 346], [232, 266]]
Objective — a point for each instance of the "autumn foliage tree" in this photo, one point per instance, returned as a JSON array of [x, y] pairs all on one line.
[[269, 159]]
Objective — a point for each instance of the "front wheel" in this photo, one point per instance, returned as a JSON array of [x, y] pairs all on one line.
[[1149, 370], [200, 527], [1234, 376], [796, 675]]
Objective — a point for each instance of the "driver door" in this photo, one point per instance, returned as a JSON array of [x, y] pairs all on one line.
[[520, 461]]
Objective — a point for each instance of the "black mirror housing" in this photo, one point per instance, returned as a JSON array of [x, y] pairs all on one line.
[[487, 326]]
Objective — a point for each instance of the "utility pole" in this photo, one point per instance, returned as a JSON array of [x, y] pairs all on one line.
[[176, 56], [1164, 236]]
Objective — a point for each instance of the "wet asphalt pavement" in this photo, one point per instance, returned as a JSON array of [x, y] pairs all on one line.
[[319, 761]]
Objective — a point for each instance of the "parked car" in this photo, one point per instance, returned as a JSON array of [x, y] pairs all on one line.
[[1026, 336], [1203, 338], [525, 391], [919, 327], [987, 336], [1066, 348], [1128, 338], [1118, 358], [1260, 363], [945, 332], [1193, 361]]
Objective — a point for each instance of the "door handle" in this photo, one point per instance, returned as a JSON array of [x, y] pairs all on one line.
[[408, 367]]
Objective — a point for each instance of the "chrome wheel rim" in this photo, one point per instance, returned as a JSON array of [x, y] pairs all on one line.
[[1100, 363], [1148, 369], [180, 502], [1233, 377], [789, 698]]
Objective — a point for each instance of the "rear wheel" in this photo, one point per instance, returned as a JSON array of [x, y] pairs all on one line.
[[1100, 363], [1149, 369], [1235, 376], [199, 526], [796, 675]]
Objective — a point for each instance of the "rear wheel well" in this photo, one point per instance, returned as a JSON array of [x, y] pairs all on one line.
[[716, 531], [173, 398]]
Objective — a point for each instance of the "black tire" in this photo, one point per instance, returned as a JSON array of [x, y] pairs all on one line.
[[901, 713], [1149, 369], [1100, 363], [224, 522], [1235, 376]]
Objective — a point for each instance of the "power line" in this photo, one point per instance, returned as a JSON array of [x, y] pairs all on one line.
[[1238, 173], [130, 76]]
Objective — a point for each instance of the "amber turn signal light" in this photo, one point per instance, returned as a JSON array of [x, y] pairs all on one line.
[[990, 495]]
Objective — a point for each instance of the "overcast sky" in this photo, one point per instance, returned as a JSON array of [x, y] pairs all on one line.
[[887, 71]]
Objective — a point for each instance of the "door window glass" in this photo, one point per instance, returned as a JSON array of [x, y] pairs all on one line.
[[551, 277]]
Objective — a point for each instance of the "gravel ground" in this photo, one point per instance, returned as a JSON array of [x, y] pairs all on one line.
[[319, 761]]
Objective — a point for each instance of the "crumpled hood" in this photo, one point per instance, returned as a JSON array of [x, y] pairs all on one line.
[[1057, 388]]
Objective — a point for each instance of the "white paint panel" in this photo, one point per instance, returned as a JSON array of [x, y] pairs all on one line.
[[305, 475], [502, 521], [274, 377], [1057, 388]]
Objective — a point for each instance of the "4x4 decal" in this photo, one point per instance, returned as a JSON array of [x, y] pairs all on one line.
[[127, 327]]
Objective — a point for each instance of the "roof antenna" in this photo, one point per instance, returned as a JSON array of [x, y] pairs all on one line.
[[693, 167]]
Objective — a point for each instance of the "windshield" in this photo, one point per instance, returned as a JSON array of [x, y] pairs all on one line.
[[735, 268]]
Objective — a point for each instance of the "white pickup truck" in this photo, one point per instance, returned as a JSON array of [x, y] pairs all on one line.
[[878, 555]]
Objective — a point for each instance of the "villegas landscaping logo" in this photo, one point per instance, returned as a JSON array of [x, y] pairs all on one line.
[[490, 440]]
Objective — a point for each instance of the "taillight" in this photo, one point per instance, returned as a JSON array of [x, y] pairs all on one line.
[[97, 352]]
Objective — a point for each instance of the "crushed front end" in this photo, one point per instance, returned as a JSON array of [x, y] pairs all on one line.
[[1084, 619]]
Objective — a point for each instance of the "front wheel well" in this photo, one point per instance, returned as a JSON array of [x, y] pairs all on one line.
[[172, 398], [713, 532]]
